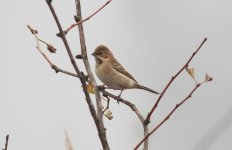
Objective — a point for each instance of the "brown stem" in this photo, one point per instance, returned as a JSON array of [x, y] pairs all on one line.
[[128, 103], [147, 120], [86, 61], [108, 103], [38, 47], [81, 21], [101, 129], [57, 70], [168, 116], [133, 107]]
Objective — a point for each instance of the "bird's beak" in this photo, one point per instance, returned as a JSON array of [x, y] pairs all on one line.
[[93, 54]]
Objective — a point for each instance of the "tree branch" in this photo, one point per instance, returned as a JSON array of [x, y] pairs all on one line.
[[108, 103], [169, 115], [102, 133], [98, 123], [86, 61], [128, 103], [38, 47], [89, 17], [147, 120], [133, 107]]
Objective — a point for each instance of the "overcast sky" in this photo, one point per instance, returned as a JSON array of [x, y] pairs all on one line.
[[152, 39]]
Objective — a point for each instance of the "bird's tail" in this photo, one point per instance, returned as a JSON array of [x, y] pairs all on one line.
[[146, 88]]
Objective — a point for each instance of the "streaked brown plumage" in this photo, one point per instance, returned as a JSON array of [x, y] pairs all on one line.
[[112, 73]]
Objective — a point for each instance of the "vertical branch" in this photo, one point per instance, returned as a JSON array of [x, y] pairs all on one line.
[[71, 57], [98, 122], [90, 74], [145, 133], [85, 59]]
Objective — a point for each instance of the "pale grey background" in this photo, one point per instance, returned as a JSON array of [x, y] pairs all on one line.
[[152, 39]]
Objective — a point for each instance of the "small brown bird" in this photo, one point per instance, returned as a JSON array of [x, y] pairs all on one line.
[[112, 73]]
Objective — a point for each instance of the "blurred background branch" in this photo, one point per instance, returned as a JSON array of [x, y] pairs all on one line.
[[6, 142]]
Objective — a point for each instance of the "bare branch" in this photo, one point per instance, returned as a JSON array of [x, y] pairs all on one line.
[[34, 32], [80, 21], [38, 47], [132, 106], [63, 37], [86, 61], [57, 70], [169, 115], [147, 120], [108, 103], [98, 120], [128, 103], [101, 129]]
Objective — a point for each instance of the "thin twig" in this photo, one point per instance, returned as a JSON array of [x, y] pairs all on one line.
[[147, 120], [169, 115], [133, 107], [128, 103], [43, 41], [108, 103], [81, 21], [57, 70], [38, 47]]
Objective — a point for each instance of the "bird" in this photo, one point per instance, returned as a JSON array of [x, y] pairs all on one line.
[[112, 73]]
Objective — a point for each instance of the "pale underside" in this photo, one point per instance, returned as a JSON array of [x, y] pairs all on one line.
[[114, 76]]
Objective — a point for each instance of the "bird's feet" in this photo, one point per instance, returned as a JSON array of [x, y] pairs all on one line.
[[101, 87], [119, 97]]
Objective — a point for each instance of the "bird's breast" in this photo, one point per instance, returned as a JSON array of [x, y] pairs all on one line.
[[112, 78]]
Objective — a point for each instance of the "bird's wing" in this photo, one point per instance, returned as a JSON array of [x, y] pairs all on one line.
[[118, 67]]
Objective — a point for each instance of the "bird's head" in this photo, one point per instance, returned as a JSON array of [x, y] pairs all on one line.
[[102, 53]]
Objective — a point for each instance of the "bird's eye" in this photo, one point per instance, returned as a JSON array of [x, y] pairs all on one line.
[[100, 53]]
